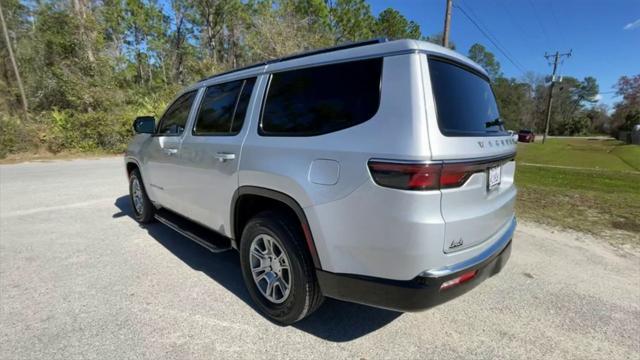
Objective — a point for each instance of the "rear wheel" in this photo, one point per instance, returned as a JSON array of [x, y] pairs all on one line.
[[277, 268], [143, 209]]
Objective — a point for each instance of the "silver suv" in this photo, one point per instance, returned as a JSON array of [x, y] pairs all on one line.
[[376, 172]]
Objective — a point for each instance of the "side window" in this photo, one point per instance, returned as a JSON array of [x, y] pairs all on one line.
[[175, 118], [223, 108], [243, 104], [322, 99]]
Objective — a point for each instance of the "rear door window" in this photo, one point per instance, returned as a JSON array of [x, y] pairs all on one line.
[[321, 99], [223, 108], [465, 103], [243, 105]]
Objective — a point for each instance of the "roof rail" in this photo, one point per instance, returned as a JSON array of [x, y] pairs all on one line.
[[348, 45], [303, 54], [234, 70]]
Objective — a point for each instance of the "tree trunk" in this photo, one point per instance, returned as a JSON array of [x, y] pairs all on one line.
[[80, 9], [178, 56], [14, 64], [137, 40]]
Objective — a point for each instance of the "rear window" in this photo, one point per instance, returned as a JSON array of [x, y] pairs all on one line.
[[464, 100], [322, 99]]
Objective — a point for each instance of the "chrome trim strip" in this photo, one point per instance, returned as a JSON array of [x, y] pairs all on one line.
[[495, 248], [478, 160], [484, 159], [409, 162]]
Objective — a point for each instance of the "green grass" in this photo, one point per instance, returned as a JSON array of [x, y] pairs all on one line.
[[630, 154], [583, 153], [598, 192]]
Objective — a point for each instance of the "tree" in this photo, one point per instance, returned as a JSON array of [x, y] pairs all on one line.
[[627, 111], [599, 118], [352, 20], [314, 12], [277, 31], [515, 103], [14, 63], [90, 66], [144, 22], [391, 24], [437, 39], [486, 59], [568, 114]]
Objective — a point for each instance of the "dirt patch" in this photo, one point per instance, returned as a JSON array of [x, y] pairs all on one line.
[[46, 156]]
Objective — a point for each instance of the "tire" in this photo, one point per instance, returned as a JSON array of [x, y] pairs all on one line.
[[145, 212], [304, 295]]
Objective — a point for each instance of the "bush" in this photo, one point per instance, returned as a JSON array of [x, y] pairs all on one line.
[[16, 136], [74, 130], [89, 132]]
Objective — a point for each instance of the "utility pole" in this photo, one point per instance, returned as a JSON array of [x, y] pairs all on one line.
[[13, 62], [556, 58], [447, 24]]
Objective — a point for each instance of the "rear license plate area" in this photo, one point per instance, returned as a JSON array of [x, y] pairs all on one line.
[[494, 177]]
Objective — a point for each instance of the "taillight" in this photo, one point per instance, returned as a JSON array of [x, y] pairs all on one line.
[[415, 176], [456, 174], [406, 176]]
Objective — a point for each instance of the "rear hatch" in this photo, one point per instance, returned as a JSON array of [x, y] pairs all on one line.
[[468, 136]]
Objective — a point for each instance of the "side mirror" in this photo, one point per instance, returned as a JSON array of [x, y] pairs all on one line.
[[144, 125]]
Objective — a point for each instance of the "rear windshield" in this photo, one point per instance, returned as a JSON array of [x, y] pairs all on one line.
[[464, 101]]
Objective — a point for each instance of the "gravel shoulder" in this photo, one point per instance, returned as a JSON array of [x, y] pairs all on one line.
[[80, 279]]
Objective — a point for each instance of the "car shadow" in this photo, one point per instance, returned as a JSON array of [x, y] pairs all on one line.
[[336, 321]]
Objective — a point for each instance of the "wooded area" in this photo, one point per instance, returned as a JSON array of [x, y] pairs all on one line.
[[90, 66]]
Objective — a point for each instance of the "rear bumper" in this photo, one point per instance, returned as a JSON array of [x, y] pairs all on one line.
[[423, 291]]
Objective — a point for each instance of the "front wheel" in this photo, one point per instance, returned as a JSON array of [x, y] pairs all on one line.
[[277, 269], [143, 209]]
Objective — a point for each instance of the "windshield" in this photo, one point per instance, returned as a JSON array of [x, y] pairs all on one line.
[[464, 100]]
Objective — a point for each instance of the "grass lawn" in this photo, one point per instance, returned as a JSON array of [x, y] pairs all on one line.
[[586, 185]]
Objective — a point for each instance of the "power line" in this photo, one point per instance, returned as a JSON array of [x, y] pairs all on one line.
[[486, 28], [521, 32], [482, 25], [535, 14], [498, 47], [555, 19]]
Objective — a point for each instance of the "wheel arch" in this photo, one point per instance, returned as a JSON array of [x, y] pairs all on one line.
[[132, 164], [240, 216]]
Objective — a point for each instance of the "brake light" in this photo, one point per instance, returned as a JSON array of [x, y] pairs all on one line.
[[455, 175], [459, 280], [406, 176], [412, 176]]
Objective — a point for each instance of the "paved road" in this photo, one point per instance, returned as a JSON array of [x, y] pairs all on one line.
[[80, 279]]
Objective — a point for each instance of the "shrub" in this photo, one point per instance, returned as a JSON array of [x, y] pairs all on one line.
[[16, 136]]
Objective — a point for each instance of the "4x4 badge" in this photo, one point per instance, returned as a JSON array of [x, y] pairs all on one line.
[[455, 244]]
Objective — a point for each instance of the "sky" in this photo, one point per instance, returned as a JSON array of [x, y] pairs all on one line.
[[604, 35]]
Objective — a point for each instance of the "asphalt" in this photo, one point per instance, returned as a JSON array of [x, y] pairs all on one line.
[[80, 279]]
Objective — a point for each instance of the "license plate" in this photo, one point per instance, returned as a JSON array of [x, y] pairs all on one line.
[[495, 174]]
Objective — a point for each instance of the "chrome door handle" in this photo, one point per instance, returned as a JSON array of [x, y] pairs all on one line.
[[222, 156], [170, 152]]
